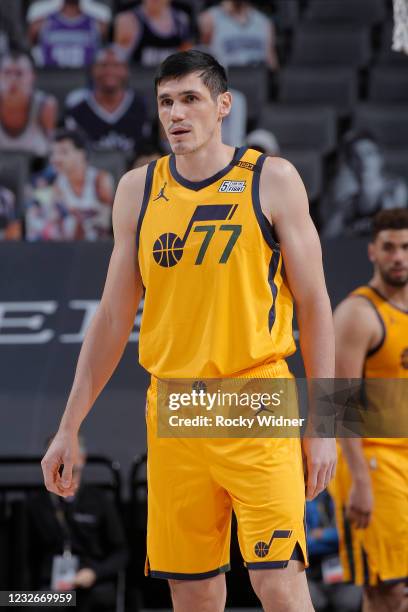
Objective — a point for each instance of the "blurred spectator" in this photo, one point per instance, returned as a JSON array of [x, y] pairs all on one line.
[[238, 34], [40, 9], [87, 529], [71, 200], [111, 114], [360, 188], [263, 141], [67, 38], [324, 574], [10, 226], [234, 125], [27, 116], [152, 31]]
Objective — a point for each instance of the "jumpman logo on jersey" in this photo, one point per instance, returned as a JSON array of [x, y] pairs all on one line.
[[161, 194]]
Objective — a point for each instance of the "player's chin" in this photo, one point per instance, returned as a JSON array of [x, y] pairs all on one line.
[[182, 148], [398, 279]]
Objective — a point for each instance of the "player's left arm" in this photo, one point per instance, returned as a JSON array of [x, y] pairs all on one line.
[[284, 201]]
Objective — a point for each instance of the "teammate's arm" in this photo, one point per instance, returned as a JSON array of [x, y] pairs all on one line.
[[107, 335], [356, 331], [286, 204]]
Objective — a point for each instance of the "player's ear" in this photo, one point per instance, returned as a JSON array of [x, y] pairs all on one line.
[[224, 104]]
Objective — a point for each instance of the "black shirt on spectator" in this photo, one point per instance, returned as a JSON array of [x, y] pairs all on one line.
[[123, 129]]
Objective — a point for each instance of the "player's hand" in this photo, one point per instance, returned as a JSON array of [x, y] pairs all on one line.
[[360, 504], [320, 462], [85, 578], [63, 451]]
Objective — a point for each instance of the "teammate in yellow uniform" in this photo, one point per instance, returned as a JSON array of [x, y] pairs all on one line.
[[371, 484], [195, 230]]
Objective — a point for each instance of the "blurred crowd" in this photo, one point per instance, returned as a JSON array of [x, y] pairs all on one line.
[[76, 112]]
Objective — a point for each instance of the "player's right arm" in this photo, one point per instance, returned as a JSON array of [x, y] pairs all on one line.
[[357, 330], [106, 337]]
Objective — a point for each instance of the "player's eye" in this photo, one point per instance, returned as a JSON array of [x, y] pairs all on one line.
[[166, 102], [191, 98]]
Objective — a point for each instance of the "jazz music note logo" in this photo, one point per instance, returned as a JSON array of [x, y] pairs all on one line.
[[168, 248], [262, 548]]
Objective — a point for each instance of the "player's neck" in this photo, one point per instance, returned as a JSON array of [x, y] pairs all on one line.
[[71, 12], [396, 295], [76, 176], [204, 162], [109, 100]]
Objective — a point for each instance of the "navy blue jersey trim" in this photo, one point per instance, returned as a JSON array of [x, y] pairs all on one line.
[[348, 540], [366, 567], [377, 347], [260, 565], [192, 576], [197, 185], [268, 234], [273, 266], [388, 301], [146, 196], [264, 224], [394, 580]]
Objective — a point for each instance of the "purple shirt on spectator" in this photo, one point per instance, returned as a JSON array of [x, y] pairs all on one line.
[[68, 42]]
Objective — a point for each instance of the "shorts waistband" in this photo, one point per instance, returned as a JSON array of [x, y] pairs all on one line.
[[276, 369]]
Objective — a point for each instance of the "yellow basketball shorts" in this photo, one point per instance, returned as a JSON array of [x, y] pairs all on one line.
[[194, 484], [380, 552]]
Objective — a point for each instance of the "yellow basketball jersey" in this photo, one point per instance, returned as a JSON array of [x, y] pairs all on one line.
[[216, 301], [389, 359]]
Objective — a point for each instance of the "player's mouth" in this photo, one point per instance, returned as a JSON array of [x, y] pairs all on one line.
[[398, 271], [179, 131]]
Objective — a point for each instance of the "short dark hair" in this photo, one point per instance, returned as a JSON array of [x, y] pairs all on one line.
[[77, 138], [392, 219], [14, 55], [182, 63]]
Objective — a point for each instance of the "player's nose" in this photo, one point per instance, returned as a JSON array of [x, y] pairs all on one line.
[[177, 112]]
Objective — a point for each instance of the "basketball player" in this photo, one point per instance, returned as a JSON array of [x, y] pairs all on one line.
[[371, 485], [210, 311]]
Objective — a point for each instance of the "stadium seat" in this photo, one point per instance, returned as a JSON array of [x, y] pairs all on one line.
[[309, 166], [60, 82], [112, 161], [142, 80], [363, 12], [286, 14], [306, 128], [252, 82], [389, 85], [341, 46], [388, 124], [387, 55], [14, 174], [319, 86]]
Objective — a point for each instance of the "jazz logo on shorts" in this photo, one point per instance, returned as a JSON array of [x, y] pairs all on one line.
[[168, 248], [261, 549]]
